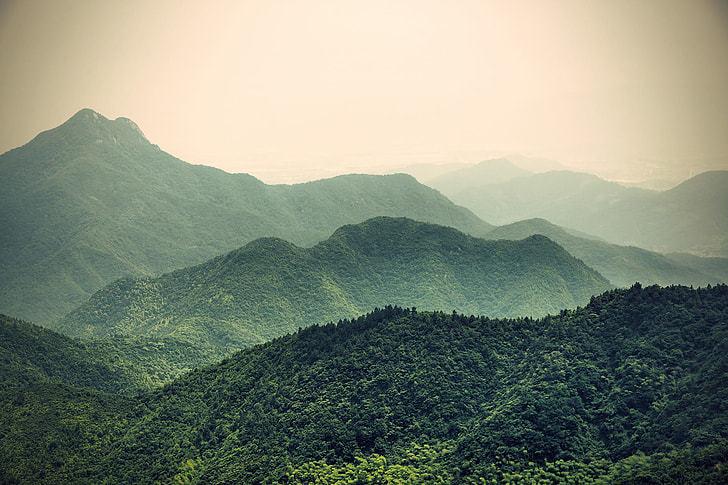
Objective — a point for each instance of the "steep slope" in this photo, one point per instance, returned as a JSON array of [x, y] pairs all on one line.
[[51, 400], [629, 389], [494, 171], [271, 287], [692, 217], [92, 201], [33, 355], [621, 265]]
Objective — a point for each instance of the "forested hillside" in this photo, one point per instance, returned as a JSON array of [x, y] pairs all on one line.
[[623, 265], [271, 287], [629, 389], [30, 354], [93, 200]]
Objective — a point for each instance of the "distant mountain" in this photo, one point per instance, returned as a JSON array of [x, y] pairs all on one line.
[[622, 265], [428, 172], [93, 200], [692, 217], [535, 164], [271, 287], [629, 389], [563, 194], [715, 267], [424, 172], [488, 172]]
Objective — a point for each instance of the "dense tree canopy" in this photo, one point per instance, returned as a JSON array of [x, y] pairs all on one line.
[[628, 389], [271, 287]]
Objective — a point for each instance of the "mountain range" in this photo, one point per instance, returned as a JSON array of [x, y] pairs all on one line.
[[271, 287], [628, 389], [690, 218], [622, 265], [185, 335], [495, 171], [92, 200]]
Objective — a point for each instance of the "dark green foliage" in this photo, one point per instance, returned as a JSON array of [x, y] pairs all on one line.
[[431, 465], [271, 287], [31, 354], [47, 429], [629, 389], [92, 201], [692, 217], [623, 265]]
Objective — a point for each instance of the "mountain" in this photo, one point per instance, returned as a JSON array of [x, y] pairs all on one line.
[[271, 287], [427, 172], [629, 389], [535, 164], [424, 172], [494, 171], [691, 217], [555, 196], [32, 354], [715, 267], [57, 396], [622, 265], [93, 200]]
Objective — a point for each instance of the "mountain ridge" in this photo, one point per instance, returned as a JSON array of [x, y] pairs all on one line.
[[621, 265], [92, 200], [270, 287], [690, 217], [626, 389]]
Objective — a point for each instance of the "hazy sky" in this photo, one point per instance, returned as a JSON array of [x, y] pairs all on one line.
[[318, 87]]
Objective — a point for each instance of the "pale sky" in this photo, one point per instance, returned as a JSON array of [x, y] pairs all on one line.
[[290, 90]]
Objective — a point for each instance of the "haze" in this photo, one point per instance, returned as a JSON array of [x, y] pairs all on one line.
[[296, 90]]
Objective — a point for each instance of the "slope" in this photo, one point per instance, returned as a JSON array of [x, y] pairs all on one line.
[[557, 196], [495, 171], [34, 355], [93, 200], [716, 267], [629, 389], [270, 287], [621, 265], [691, 217]]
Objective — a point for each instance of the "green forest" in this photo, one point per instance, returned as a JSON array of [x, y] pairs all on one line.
[[629, 388], [271, 287], [331, 242], [164, 322]]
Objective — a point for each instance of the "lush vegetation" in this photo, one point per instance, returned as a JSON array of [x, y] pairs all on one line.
[[623, 265], [629, 389], [30, 354], [92, 201], [691, 217], [271, 287]]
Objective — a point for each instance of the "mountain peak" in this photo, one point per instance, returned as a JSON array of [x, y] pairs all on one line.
[[87, 114], [89, 126], [388, 226]]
